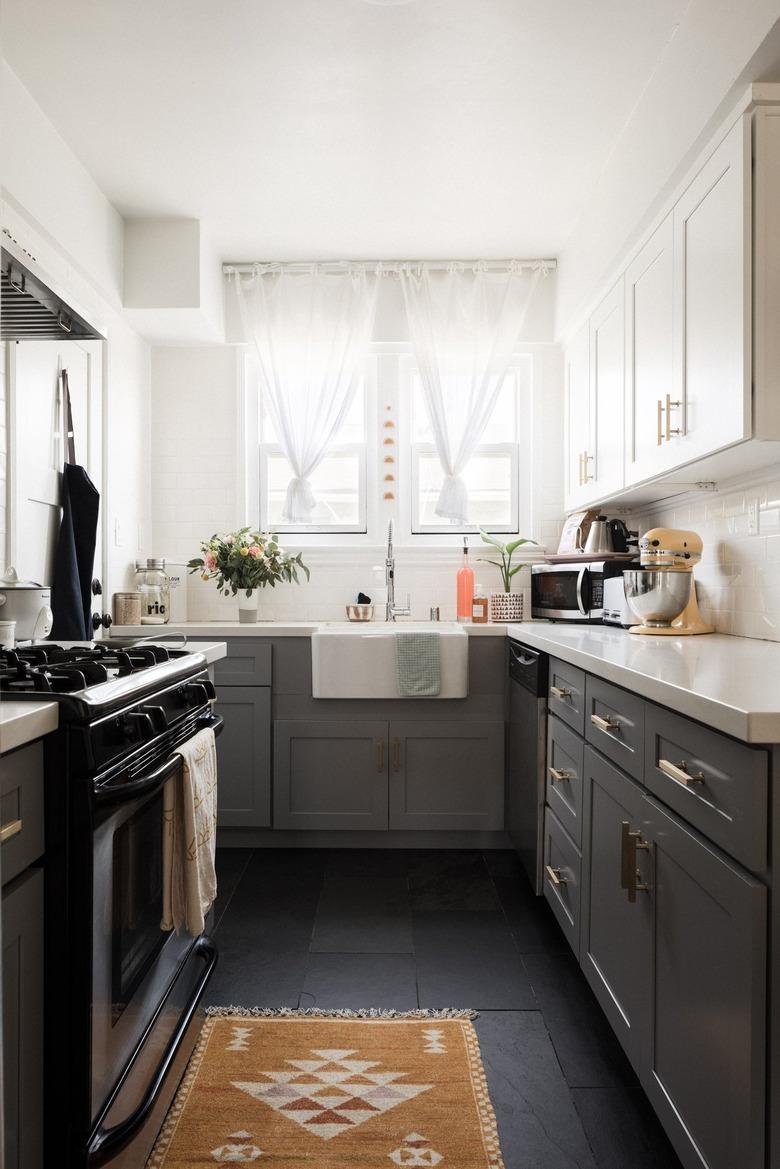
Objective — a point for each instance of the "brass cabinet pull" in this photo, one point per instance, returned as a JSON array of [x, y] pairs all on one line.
[[558, 776], [604, 724], [9, 830], [586, 458], [380, 755], [660, 422], [560, 692], [556, 876], [679, 773], [579, 469], [671, 405], [396, 754], [630, 842]]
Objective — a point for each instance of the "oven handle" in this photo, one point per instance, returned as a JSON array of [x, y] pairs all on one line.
[[107, 1142], [157, 778]]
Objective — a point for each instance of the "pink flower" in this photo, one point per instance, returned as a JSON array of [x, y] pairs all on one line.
[[230, 539], [254, 551], [211, 561]]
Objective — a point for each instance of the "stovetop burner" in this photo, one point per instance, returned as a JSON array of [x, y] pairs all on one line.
[[56, 669]]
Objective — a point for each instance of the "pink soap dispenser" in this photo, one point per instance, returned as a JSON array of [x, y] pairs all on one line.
[[465, 586]]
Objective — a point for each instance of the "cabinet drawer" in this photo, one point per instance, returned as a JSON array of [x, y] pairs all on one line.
[[614, 724], [566, 695], [717, 785], [564, 776], [21, 809], [248, 663], [562, 875]]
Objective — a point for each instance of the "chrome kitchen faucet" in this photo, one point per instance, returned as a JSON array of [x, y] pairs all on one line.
[[391, 612]]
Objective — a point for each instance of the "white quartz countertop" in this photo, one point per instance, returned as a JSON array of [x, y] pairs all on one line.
[[729, 683], [22, 722], [196, 629], [213, 650]]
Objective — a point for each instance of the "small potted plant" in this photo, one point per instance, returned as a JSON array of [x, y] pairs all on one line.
[[244, 562], [505, 605]]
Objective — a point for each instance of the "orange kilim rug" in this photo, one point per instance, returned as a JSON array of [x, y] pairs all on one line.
[[340, 1090]]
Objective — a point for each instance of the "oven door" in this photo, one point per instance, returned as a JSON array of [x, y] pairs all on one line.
[[135, 962], [561, 592]]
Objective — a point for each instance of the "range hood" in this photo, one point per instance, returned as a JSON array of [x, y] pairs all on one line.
[[30, 310]]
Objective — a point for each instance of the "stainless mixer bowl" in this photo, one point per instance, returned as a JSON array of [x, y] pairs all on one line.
[[657, 595]]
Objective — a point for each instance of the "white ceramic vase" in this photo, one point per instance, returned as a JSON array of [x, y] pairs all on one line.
[[247, 605]]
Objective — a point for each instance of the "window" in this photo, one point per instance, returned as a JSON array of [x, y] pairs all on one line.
[[492, 475], [339, 482]]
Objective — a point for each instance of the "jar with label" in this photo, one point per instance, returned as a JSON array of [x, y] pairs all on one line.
[[479, 605], [153, 584]]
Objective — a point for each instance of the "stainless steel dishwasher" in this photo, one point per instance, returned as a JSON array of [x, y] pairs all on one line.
[[528, 669]]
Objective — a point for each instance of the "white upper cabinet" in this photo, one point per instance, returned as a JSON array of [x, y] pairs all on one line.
[[652, 386], [578, 427], [712, 302], [604, 456]]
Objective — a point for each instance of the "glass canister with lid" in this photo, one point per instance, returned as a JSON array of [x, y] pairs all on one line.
[[153, 583]]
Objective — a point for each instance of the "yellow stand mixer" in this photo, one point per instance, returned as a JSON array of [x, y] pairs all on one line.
[[662, 592]]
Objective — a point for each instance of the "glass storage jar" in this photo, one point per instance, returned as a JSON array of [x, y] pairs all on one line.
[[154, 585]]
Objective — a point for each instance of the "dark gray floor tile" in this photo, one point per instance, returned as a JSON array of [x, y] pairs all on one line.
[[623, 1129], [450, 880], [468, 959], [359, 916], [257, 969], [365, 863], [587, 1049], [230, 866], [538, 1125], [360, 981], [278, 884], [533, 926]]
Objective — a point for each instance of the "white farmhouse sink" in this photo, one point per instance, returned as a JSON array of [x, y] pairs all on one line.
[[356, 660]]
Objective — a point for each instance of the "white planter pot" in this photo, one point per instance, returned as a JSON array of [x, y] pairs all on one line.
[[247, 605], [505, 607]]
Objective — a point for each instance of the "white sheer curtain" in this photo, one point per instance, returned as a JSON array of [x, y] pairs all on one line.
[[310, 326], [464, 322]]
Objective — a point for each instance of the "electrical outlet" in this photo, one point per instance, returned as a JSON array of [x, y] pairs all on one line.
[[752, 516], [119, 535]]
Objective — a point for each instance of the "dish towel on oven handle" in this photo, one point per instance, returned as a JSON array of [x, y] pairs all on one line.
[[190, 835]]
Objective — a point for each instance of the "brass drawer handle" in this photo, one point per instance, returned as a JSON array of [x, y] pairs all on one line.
[[556, 876], [678, 772], [660, 422], [560, 692], [9, 830], [396, 754], [670, 405], [380, 755], [630, 842], [604, 724], [586, 458], [559, 776]]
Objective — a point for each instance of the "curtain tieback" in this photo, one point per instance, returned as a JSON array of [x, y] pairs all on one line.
[[299, 501], [453, 501]]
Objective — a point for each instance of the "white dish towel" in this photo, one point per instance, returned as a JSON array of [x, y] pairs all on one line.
[[190, 836]]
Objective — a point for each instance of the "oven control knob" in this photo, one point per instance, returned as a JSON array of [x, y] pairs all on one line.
[[201, 691], [139, 724]]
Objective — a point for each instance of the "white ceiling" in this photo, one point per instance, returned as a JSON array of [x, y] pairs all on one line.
[[324, 128]]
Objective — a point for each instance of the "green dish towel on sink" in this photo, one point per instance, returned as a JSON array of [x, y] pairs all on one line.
[[418, 664]]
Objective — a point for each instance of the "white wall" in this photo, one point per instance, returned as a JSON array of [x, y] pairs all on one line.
[[197, 470], [54, 209]]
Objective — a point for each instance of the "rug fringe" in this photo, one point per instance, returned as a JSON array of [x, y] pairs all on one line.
[[233, 1012]]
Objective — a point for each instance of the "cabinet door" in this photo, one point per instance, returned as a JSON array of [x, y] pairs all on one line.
[[23, 1021], [244, 757], [650, 371], [447, 775], [330, 774], [706, 1076], [616, 931], [604, 463], [712, 310], [578, 417]]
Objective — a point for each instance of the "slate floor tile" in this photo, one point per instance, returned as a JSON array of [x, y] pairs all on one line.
[[533, 926], [586, 1046], [230, 865], [467, 959], [363, 917], [623, 1129], [258, 971], [360, 981], [538, 1125], [365, 863], [450, 880]]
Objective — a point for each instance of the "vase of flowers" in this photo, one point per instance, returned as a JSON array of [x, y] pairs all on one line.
[[505, 605], [244, 562]]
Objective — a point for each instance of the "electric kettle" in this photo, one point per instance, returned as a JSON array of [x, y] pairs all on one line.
[[599, 541]]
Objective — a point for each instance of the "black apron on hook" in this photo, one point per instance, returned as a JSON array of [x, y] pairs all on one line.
[[71, 597]]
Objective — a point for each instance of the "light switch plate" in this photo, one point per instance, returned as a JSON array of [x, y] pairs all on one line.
[[752, 516]]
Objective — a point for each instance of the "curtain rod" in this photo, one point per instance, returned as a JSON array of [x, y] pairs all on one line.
[[388, 267]]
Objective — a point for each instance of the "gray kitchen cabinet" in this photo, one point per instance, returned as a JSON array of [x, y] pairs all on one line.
[[563, 784], [706, 1070], [22, 928], [446, 775], [562, 878], [617, 922], [330, 775], [248, 663], [244, 757]]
